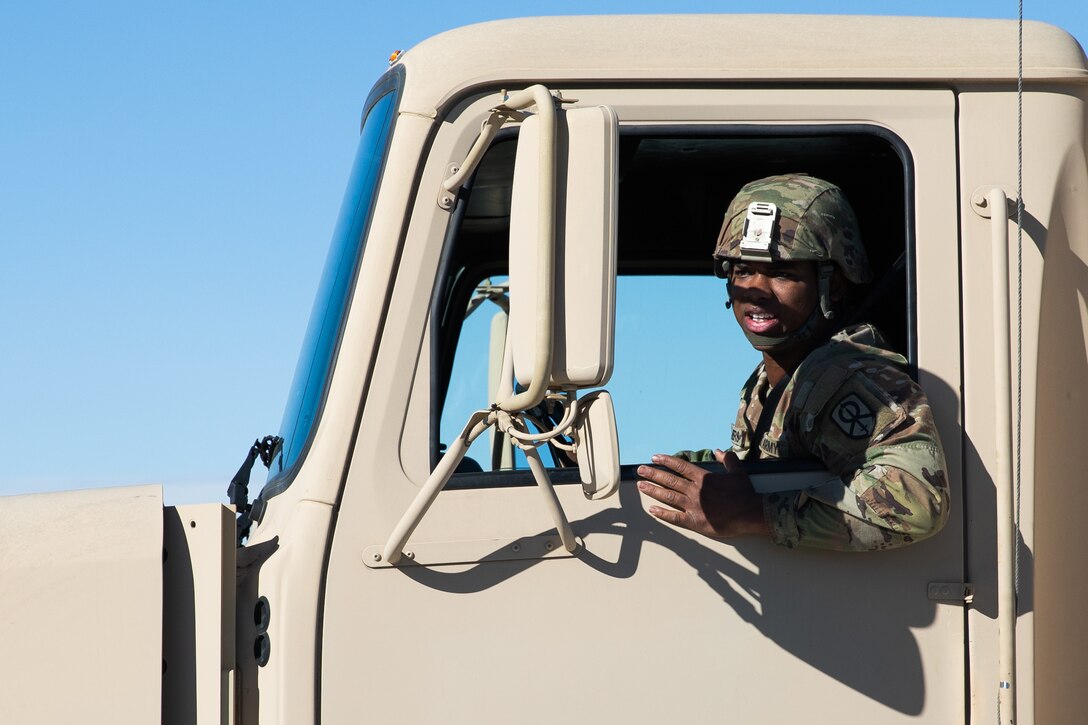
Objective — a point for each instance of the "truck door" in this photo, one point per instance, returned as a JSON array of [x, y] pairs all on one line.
[[490, 621]]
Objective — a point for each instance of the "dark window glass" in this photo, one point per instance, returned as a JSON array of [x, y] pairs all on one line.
[[319, 348]]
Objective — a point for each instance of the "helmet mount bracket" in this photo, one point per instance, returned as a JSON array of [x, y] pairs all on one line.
[[759, 230]]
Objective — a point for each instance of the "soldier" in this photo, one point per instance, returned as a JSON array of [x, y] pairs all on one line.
[[788, 250]]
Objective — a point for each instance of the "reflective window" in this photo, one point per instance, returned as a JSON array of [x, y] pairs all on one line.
[[323, 332]]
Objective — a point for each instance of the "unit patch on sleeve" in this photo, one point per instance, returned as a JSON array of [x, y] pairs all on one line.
[[854, 417]]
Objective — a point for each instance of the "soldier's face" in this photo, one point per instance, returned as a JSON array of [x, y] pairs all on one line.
[[774, 298]]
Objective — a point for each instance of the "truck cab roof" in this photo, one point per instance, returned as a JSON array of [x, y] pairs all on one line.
[[726, 48]]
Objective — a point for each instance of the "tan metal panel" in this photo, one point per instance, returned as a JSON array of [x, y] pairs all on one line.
[[1060, 384], [1051, 627], [732, 47], [198, 614], [583, 637], [81, 613]]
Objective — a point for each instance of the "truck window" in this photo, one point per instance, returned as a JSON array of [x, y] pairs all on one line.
[[698, 385], [326, 320], [680, 358]]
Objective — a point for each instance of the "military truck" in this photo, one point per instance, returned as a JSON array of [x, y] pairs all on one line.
[[432, 548]]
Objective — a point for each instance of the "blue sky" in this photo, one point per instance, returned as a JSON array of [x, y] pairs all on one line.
[[170, 176]]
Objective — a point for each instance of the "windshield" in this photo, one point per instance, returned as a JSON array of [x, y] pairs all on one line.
[[323, 332]]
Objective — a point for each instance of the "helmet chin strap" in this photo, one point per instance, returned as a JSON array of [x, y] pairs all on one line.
[[826, 272], [768, 343]]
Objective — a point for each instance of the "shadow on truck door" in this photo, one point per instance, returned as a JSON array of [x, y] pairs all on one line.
[[855, 617], [799, 600]]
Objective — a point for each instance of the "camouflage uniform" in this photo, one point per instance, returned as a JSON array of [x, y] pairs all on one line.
[[850, 404]]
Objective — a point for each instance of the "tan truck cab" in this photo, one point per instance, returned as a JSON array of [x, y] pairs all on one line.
[[451, 532]]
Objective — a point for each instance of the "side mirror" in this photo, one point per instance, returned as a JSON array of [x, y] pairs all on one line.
[[562, 297], [598, 446], [584, 303]]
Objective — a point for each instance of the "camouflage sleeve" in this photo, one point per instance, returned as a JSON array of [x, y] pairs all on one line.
[[703, 455], [876, 434]]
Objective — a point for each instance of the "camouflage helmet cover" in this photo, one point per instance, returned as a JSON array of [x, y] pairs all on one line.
[[815, 223]]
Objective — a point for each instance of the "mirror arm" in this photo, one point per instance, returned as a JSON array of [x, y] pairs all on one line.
[[456, 180], [509, 110], [539, 96], [477, 424], [551, 500], [480, 421]]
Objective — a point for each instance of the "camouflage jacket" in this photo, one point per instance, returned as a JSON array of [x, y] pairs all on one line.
[[851, 405]]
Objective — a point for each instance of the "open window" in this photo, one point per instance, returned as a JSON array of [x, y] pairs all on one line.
[[680, 359]]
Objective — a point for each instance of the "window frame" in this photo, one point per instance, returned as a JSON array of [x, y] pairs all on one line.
[[744, 130]]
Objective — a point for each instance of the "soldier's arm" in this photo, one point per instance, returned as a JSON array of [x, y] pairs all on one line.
[[703, 455], [876, 433]]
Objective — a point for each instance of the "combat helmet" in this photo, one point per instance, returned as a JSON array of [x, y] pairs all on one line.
[[793, 217]]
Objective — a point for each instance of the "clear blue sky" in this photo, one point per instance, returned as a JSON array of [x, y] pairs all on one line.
[[169, 178]]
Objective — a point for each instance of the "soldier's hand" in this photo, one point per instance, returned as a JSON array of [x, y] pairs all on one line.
[[718, 505]]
